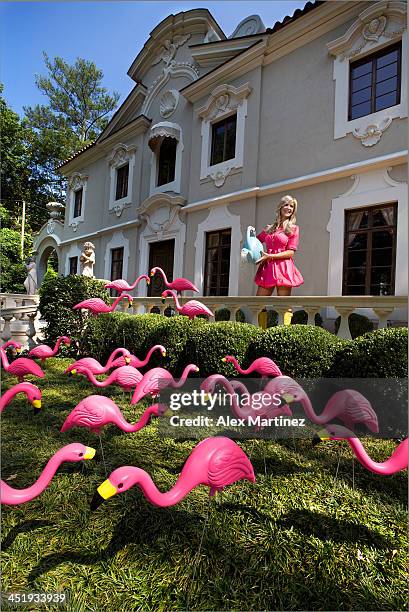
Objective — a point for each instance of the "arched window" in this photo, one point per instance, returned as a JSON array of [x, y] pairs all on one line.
[[167, 161]]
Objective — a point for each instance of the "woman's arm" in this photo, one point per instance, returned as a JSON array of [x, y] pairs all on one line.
[[270, 256]]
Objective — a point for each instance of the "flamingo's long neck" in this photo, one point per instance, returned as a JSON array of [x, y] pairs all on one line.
[[18, 496], [8, 395], [163, 275], [239, 368], [112, 357], [144, 420], [116, 302], [137, 281], [96, 382], [238, 410], [177, 303], [396, 462], [4, 359], [152, 493], [309, 411], [57, 346], [148, 356], [184, 376]]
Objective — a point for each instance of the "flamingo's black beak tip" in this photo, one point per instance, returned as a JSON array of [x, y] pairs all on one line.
[[96, 501]]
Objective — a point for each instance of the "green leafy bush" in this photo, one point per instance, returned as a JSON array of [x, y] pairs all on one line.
[[13, 270], [379, 354], [358, 325], [58, 295], [213, 341], [301, 351]]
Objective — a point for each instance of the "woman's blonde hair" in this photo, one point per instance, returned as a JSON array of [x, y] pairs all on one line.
[[288, 224]]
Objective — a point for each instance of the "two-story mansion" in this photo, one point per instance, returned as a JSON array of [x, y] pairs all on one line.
[[217, 129]]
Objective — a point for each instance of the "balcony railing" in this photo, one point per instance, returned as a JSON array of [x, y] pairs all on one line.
[[21, 320]]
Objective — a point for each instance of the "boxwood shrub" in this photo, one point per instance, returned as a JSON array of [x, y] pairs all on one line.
[[58, 295], [379, 354], [303, 351], [213, 341]]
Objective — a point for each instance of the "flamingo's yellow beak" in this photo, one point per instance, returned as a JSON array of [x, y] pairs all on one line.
[[148, 281], [18, 349], [197, 369], [168, 412], [163, 353], [106, 489], [152, 273], [224, 359], [89, 453], [130, 302], [206, 397], [320, 436], [73, 372], [36, 403], [127, 360], [288, 398]]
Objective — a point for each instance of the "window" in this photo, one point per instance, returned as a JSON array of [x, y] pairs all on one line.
[[73, 265], [78, 203], [117, 260], [122, 174], [167, 161], [217, 263], [223, 140], [370, 250], [374, 82]]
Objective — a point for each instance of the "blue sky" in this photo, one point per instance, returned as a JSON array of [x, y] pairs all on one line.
[[109, 33]]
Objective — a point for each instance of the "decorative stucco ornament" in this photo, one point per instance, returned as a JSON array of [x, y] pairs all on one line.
[[118, 208], [219, 176], [374, 29], [50, 226], [169, 102], [74, 226], [169, 49], [372, 133]]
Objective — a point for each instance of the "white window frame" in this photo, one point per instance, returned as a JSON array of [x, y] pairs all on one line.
[[369, 189], [165, 129], [121, 155], [75, 182], [224, 101], [379, 26], [219, 218], [117, 241]]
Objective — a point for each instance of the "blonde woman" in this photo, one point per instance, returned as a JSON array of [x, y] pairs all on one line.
[[281, 238]]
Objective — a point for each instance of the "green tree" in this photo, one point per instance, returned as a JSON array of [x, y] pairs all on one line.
[[13, 270]]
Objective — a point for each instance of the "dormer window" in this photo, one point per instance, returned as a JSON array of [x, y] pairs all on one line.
[[167, 161], [223, 140], [122, 175], [78, 203]]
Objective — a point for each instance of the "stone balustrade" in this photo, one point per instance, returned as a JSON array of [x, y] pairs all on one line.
[[378, 308], [20, 319]]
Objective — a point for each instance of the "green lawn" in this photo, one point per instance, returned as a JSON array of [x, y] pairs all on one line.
[[298, 539]]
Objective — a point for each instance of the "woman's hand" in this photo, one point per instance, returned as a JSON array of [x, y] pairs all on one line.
[[265, 257]]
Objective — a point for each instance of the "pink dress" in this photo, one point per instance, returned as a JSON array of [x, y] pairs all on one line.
[[279, 272]]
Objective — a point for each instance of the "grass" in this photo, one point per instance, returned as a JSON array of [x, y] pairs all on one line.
[[298, 539]]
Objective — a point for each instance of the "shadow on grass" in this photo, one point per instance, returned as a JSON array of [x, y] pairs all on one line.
[[327, 528], [150, 528], [25, 527]]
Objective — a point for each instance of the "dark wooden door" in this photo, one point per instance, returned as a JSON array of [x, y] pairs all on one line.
[[161, 255]]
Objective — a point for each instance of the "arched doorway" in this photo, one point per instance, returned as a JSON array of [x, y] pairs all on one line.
[[47, 257]]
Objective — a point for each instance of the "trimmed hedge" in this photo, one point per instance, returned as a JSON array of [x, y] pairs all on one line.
[[379, 354], [57, 298], [303, 351], [213, 341]]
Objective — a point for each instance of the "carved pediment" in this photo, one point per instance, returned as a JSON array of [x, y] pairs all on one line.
[[379, 23], [223, 99]]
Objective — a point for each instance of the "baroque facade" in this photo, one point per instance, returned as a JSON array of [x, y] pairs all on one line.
[[217, 129]]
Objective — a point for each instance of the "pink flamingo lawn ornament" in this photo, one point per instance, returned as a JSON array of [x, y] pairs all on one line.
[[214, 462], [397, 461], [11, 343], [72, 452], [93, 365], [262, 365], [97, 306], [348, 405], [137, 363], [179, 284], [126, 377], [20, 367], [191, 309], [251, 408], [157, 379], [43, 351], [121, 285], [96, 411], [32, 392]]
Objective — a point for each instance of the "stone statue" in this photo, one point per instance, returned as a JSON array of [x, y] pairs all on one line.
[[30, 283], [87, 260]]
